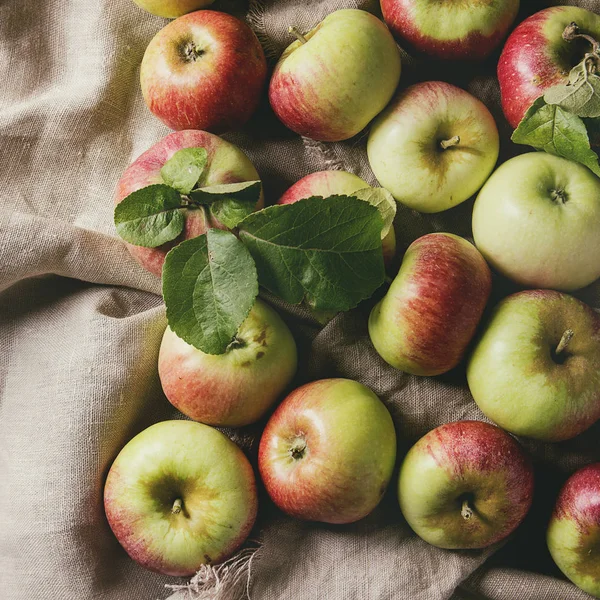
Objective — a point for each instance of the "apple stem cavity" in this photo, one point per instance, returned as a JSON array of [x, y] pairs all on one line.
[[296, 33], [466, 511], [177, 506], [190, 52], [453, 141], [298, 448], [564, 341]]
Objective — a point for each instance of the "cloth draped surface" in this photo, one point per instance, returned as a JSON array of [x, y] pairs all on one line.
[[81, 324]]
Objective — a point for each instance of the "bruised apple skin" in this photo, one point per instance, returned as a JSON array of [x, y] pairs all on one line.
[[574, 529], [465, 485], [330, 183], [235, 388], [536, 57], [205, 70], [450, 30], [429, 315], [226, 164]]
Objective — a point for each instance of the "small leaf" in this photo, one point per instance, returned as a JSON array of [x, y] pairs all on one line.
[[230, 203], [182, 171], [209, 286], [151, 216], [381, 199], [326, 251], [548, 127], [581, 96]]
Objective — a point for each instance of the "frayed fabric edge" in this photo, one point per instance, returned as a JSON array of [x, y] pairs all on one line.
[[229, 580], [325, 153], [256, 19]]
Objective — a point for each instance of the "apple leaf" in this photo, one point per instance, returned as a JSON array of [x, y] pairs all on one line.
[[150, 216], [550, 128], [209, 286], [581, 96], [326, 251], [383, 201], [183, 170], [229, 203]]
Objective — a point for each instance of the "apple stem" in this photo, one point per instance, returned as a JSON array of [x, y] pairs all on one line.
[[177, 506], [453, 141], [296, 33], [466, 511], [572, 32], [564, 341]]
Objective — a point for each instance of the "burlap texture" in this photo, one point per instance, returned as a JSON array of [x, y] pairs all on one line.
[[80, 326]]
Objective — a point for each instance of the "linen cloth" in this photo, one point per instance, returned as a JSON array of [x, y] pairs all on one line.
[[81, 323]]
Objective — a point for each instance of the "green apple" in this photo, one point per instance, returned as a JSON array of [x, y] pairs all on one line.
[[238, 387], [465, 485], [330, 83], [180, 495], [537, 221], [574, 531], [535, 370], [172, 8], [328, 452], [433, 147]]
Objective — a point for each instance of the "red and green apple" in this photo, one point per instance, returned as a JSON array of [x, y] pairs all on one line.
[[171, 9]]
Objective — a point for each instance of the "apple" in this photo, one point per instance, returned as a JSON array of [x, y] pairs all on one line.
[[238, 387], [330, 183], [465, 485], [535, 370], [171, 9], [426, 320], [328, 452], [333, 80], [433, 147], [536, 57], [537, 221], [205, 70], [450, 30], [574, 529], [226, 164], [172, 506]]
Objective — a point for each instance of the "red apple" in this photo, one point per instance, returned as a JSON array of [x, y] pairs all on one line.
[[537, 57], [574, 529], [429, 315], [226, 164], [205, 70], [465, 485], [330, 183], [328, 452], [466, 30]]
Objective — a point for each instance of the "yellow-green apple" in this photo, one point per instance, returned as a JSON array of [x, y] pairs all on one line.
[[574, 529], [205, 70], [465, 485], [330, 183], [537, 221], [465, 30], [180, 495], [328, 452], [536, 57], [333, 80], [433, 147], [238, 387], [535, 370], [426, 320], [171, 9], [226, 163]]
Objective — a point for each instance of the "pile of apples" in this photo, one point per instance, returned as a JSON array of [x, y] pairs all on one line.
[[181, 494]]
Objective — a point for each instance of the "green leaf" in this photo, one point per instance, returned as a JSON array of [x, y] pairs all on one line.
[[150, 217], [326, 251], [230, 203], [581, 96], [183, 170], [548, 127], [381, 199], [209, 286]]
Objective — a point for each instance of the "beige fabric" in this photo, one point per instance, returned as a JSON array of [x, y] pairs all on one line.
[[80, 325]]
